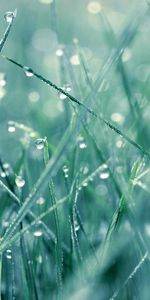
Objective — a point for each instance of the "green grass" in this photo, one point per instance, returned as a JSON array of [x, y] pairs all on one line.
[[74, 151]]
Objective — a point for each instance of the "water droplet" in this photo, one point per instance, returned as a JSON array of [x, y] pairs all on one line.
[[66, 175], [28, 72], [2, 80], [8, 254], [40, 201], [65, 169], [74, 60], [3, 174], [59, 52], [20, 182], [94, 7], [76, 226], [85, 184], [82, 145], [6, 166], [9, 16], [117, 117], [11, 126], [37, 233], [65, 88], [104, 173], [119, 144], [40, 144], [8, 251]]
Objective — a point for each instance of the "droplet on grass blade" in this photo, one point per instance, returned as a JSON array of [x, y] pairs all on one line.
[[117, 118], [9, 15], [37, 233], [76, 226], [39, 143], [40, 201], [3, 174], [11, 126], [65, 169], [85, 184], [8, 254], [104, 172], [28, 72], [20, 182], [83, 145], [65, 88]]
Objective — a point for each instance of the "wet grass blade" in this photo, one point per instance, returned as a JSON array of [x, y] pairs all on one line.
[[58, 244], [6, 33]]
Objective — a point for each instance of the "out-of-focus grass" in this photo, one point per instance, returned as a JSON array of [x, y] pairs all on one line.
[[74, 150]]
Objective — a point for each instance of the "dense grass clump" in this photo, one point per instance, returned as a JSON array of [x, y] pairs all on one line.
[[74, 150]]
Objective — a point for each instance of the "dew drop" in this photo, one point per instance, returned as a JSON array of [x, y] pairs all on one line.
[[65, 88], [119, 144], [37, 233], [104, 173], [20, 182], [76, 226], [9, 16], [39, 143], [40, 201], [59, 52], [85, 184], [117, 117], [28, 72], [82, 145], [8, 254], [3, 174], [6, 166], [11, 126], [65, 169]]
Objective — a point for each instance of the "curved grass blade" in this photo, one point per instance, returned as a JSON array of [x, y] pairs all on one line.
[[89, 110], [6, 33]]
